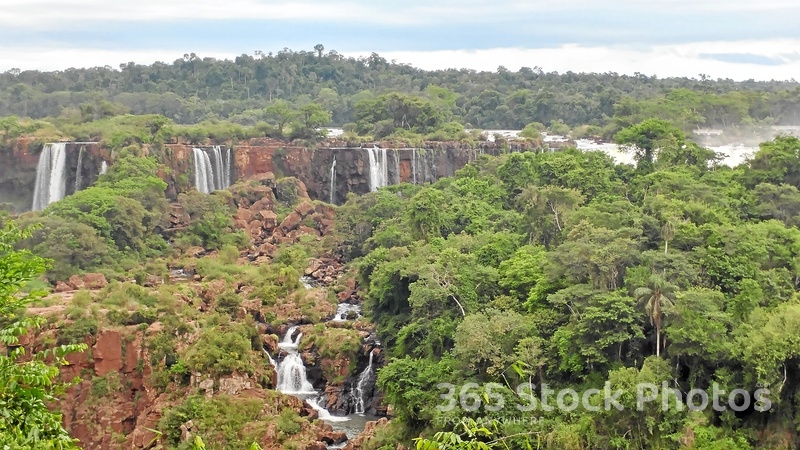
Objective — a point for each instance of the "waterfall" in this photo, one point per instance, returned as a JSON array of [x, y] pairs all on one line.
[[396, 157], [51, 181], [222, 165], [344, 310], [292, 377], [203, 172], [79, 171], [212, 169], [333, 181], [414, 165], [323, 413], [378, 168], [361, 386], [103, 168]]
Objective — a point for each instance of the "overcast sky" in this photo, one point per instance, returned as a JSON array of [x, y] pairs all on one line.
[[737, 39]]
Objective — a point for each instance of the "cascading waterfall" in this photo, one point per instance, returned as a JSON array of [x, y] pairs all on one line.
[[291, 371], [51, 176], [333, 181], [79, 171], [212, 169], [103, 168], [361, 386], [378, 168], [292, 375]]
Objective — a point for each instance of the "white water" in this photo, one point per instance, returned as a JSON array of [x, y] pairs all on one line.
[[79, 172], [324, 414], [344, 309], [51, 181], [378, 168], [414, 165], [333, 180], [292, 377], [103, 168], [363, 380], [396, 159], [212, 174]]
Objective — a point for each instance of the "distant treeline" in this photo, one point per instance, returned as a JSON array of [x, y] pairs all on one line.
[[194, 89]]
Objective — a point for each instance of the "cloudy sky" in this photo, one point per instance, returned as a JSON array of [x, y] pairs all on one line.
[[739, 39]]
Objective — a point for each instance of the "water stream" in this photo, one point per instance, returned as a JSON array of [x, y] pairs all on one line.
[[333, 181]]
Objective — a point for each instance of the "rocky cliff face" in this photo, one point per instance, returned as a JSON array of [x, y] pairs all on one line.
[[425, 164], [312, 166]]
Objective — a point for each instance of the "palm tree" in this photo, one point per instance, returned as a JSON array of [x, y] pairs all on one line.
[[656, 295]]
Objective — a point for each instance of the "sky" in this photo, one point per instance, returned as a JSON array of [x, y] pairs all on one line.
[[737, 39]]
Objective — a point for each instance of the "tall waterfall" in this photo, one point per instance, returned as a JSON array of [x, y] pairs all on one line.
[[333, 181], [291, 371], [212, 169], [378, 168], [51, 176], [103, 168], [396, 170], [361, 386], [79, 172], [414, 165]]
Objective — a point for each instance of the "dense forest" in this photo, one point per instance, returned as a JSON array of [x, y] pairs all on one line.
[[560, 268], [366, 91], [568, 271]]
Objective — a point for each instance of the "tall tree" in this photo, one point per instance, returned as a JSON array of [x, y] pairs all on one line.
[[656, 295]]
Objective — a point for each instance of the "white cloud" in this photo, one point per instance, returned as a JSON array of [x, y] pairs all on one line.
[[663, 61], [46, 13]]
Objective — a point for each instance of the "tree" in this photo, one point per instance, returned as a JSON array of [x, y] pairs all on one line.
[[656, 295], [645, 139], [309, 119], [319, 48], [27, 384], [280, 113]]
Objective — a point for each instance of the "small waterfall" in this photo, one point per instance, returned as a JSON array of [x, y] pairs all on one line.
[[414, 165], [323, 413], [292, 377], [378, 168], [344, 310], [79, 171], [51, 177], [333, 181], [230, 166], [361, 386], [396, 157], [103, 168]]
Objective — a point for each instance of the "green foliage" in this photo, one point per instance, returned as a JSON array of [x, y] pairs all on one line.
[[28, 383]]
